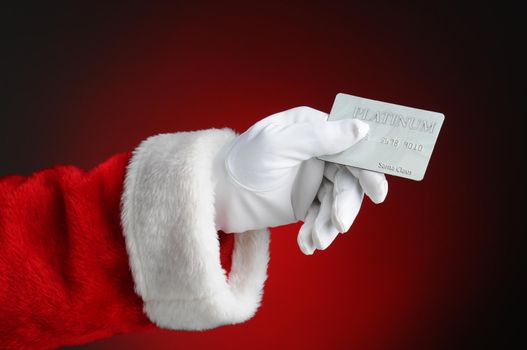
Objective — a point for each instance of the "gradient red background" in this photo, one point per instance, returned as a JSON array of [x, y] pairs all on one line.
[[432, 267]]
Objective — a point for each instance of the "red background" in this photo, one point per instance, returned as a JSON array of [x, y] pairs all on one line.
[[432, 267]]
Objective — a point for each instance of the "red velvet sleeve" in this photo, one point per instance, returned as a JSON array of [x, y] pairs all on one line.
[[64, 269]]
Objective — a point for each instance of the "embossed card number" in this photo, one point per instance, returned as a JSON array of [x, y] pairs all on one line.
[[400, 141]]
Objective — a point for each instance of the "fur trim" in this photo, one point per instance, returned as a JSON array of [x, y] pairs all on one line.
[[172, 242]]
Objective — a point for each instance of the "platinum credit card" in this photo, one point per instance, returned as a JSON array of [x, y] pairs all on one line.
[[400, 141]]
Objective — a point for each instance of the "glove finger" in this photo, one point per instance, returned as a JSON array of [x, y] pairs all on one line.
[[301, 141], [306, 185], [304, 238], [373, 183], [324, 232], [348, 195]]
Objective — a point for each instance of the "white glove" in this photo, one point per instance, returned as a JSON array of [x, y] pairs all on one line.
[[269, 176]]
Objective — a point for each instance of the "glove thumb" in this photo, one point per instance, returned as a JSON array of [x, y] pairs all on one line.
[[305, 140]]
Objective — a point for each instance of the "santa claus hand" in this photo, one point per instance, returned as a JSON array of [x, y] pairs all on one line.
[[269, 176]]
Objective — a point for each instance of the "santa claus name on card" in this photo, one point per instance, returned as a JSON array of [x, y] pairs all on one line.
[[175, 233]]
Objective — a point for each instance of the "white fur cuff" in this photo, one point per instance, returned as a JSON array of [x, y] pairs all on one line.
[[172, 243]]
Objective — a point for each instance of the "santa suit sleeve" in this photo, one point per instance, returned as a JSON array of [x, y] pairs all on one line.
[[126, 246]]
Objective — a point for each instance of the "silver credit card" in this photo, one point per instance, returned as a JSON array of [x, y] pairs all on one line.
[[400, 141]]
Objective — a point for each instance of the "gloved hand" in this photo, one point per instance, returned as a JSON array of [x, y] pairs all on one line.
[[269, 176]]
